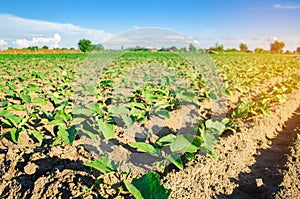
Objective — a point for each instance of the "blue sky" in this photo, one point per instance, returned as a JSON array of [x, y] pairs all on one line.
[[63, 23]]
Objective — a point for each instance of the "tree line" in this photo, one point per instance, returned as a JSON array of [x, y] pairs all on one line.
[[87, 46], [275, 47]]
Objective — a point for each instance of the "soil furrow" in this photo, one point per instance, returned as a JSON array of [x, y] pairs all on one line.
[[242, 159]]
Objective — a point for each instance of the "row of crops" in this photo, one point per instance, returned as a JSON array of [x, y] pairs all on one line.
[[61, 98]]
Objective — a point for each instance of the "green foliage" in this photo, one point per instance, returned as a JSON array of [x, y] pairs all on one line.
[[243, 47], [103, 164], [147, 187], [31, 99], [98, 47], [85, 45], [192, 48], [277, 46]]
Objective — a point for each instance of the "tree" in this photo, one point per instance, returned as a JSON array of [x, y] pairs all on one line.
[[259, 50], [298, 50], [277, 46], [85, 45], [183, 49], [243, 47], [45, 47], [34, 48], [98, 47], [218, 47], [192, 48], [231, 50]]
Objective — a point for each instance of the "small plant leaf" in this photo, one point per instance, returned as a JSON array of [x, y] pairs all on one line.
[[103, 164], [184, 143], [165, 140], [133, 190], [150, 187], [163, 113], [106, 129], [145, 147], [219, 127], [67, 135], [15, 133], [118, 110], [38, 135], [176, 160]]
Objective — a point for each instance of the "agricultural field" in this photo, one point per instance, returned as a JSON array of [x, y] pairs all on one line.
[[146, 125]]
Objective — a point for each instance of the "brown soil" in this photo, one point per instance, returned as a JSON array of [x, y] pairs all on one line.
[[260, 161]]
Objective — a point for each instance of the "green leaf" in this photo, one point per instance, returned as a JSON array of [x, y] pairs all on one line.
[[106, 129], [265, 111], [137, 105], [39, 100], [63, 116], [67, 135], [137, 113], [150, 187], [25, 98], [34, 89], [12, 86], [38, 135], [212, 95], [145, 147], [218, 126], [225, 91], [118, 110], [186, 95], [89, 130], [9, 92], [133, 190], [16, 107], [23, 121], [54, 99], [82, 111], [163, 113], [127, 120], [176, 160], [165, 140], [184, 143], [4, 103], [56, 122], [208, 141], [189, 156], [148, 96], [281, 98], [11, 119], [48, 115], [15, 133], [103, 164]]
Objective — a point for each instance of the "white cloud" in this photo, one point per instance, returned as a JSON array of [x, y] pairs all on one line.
[[288, 7], [52, 42], [19, 31], [3, 42]]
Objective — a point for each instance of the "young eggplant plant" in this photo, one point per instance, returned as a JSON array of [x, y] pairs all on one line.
[[146, 187], [186, 144]]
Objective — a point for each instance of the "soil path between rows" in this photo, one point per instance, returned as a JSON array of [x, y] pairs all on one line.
[[268, 171], [251, 163]]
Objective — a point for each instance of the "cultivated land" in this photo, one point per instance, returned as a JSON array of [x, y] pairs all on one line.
[[51, 107]]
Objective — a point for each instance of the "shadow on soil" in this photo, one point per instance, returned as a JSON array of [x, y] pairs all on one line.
[[267, 173]]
